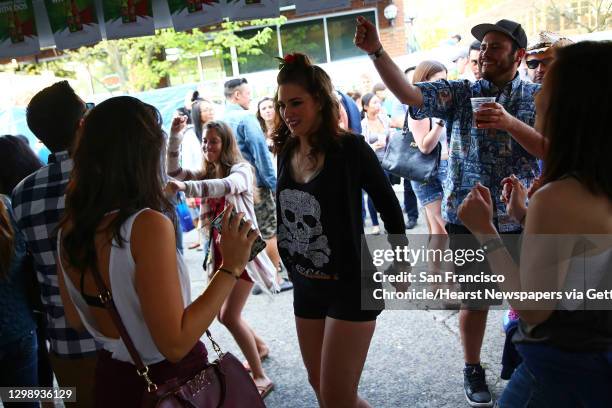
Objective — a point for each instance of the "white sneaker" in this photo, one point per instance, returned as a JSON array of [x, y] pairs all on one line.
[[376, 230]]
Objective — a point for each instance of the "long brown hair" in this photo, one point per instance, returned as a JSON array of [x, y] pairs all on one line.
[[117, 166], [7, 240], [261, 120], [575, 122], [230, 156], [230, 153], [426, 69], [299, 70]]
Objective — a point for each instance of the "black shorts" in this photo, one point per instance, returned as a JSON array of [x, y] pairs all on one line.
[[318, 299], [461, 238]]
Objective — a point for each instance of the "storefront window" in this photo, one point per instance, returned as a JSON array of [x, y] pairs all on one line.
[[306, 37], [341, 31]]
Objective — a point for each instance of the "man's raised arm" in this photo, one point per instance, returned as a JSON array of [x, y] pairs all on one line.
[[366, 38]]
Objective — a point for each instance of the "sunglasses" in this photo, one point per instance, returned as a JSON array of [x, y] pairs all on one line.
[[534, 63]]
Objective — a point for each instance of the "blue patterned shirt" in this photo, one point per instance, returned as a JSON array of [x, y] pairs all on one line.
[[38, 203], [485, 155]]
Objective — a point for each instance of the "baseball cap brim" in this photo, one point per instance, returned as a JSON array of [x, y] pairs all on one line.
[[480, 30]]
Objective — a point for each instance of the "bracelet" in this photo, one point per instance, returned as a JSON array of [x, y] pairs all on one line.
[[229, 273], [376, 54], [492, 245]]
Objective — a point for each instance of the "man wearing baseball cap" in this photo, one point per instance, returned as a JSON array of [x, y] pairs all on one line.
[[542, 53], [501, 142]]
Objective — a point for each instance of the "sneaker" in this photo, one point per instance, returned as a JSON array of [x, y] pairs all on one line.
[[509, 318], [256, 290], [475, 387], [286, 285], [412, 222], [375, 230]]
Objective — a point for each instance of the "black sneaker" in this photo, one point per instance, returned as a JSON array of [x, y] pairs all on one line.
[[412, 222], [475, 387]]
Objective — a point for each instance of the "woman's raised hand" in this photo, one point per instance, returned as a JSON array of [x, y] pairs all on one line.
[[236, 241], [178, 123], [514, 195]]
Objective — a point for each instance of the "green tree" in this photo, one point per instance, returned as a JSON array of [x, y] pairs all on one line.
[[140, 63]]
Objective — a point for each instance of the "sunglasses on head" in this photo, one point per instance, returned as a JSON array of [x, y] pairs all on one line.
[[534, 63]]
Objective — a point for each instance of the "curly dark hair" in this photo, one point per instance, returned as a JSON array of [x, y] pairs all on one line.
[[117, 166], [314, 80]]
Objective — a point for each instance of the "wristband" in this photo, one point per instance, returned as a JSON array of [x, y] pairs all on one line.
[[230, 273], [492, 245], [376, 54]]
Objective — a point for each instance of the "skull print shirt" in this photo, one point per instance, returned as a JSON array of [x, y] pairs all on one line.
[[302, 237], [319, 222]]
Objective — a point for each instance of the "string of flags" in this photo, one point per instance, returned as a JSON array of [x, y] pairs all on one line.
[[26, 26]]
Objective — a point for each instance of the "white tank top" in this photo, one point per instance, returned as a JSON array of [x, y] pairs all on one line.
[[122, 275]]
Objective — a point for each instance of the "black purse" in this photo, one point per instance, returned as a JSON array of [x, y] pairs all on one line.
[[404, 159]]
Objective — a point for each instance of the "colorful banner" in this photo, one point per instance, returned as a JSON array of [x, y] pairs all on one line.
[[315, 6], [18, 35], [188, 14], [74, 23], [128, 18], [238, 10]]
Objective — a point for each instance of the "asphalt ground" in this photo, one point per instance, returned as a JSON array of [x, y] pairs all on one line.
[[415, 359]]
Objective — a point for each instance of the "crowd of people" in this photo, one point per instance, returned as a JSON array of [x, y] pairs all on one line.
[[299, 175]]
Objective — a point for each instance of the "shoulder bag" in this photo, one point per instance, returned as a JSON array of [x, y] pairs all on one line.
[[404, 159], [224, 383]]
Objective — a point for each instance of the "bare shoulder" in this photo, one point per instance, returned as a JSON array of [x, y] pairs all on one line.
[[567, 206], [150, 226]]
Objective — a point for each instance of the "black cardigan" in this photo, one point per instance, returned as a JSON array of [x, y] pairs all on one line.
[[354, 167]]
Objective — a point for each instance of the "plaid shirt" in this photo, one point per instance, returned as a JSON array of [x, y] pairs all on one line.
[[485, 155], [38, 203]]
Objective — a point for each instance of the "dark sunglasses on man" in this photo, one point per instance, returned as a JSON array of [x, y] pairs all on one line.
[[534, 63]]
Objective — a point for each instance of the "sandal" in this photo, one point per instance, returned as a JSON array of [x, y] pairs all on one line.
[[264, 390]]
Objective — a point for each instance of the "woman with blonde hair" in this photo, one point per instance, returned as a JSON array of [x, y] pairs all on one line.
[[226, 178]]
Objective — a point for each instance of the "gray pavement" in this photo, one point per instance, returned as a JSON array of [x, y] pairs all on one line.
[[415, 359]]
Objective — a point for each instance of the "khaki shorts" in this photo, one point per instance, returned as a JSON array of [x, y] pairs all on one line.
[[79, 373]]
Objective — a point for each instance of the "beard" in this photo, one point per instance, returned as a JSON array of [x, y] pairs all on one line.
[[503, 66]]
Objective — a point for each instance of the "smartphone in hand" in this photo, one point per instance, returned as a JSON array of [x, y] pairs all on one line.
[[259, 243]]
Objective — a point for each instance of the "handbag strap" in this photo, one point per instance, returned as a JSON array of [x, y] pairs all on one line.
[[106, 298]]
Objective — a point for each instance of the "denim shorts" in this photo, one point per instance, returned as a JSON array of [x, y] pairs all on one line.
[[431, 191]]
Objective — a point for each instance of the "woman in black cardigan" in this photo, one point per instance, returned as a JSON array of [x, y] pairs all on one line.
[[321, 172]]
